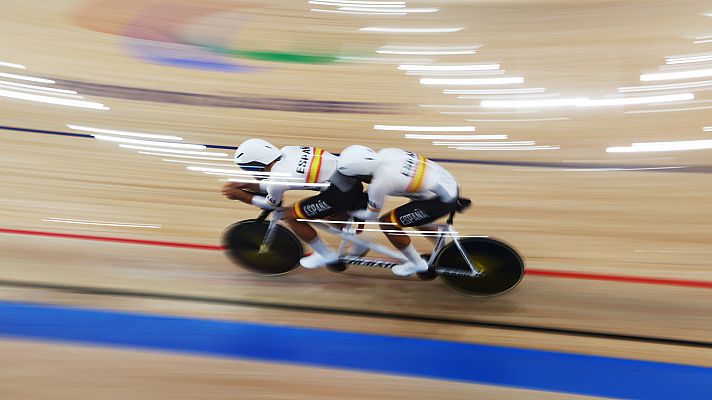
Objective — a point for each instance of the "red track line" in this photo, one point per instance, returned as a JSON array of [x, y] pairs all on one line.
[[112, 239], [620, 278], [529, 271]]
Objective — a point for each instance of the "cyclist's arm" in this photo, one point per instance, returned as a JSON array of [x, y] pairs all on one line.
[[274, 193], [238, 191], [377, 192], [247, 193]]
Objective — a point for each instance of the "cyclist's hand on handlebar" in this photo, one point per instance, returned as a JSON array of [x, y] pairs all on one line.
[[231, 189]]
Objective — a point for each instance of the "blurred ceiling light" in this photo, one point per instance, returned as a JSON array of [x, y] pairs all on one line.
[[12, 65], [245, 176], [467, 106], [519, 120], [456, 73], [688, 59], [162, 150], [240, 172], [231, 164], [703, 39], [508, 97], [150, 142], [52, 100], [354, 12], [707, 129], [585, 102], [424, 128], [28, 88], [391, 10], [472, 81], [517, 148], [427, 50], [26, 78], [668, 110], [380, 60], [103, 223], [484, 144], [683, 67], [384, 29], [271, 182], [485, 112], [386, 4], [455, 137], [508, 112], [163, 154], [697, 73], [494, 91], [123, 133], [670, 86], [42, 88], [531, 103], [461, 67], [636, 100], [663, 146]]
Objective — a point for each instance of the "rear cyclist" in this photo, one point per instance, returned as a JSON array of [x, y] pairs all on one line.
[[394, 172]]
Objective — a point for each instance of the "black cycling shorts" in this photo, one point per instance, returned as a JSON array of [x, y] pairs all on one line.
[[420, 212], [331, 201]]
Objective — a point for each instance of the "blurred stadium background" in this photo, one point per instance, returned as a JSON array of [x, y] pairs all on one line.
[[112, 278]]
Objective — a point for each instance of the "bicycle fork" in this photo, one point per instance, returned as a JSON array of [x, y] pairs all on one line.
[[271, 231]]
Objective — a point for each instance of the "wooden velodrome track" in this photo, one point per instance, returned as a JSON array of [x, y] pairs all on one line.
[[296, 77]]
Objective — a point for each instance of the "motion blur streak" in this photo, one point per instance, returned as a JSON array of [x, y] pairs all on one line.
[[52, 100]]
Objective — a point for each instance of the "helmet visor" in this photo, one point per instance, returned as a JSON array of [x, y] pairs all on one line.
[[252, 166]]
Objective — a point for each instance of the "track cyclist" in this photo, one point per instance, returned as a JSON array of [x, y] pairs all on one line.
[[278, 170], [295, 168], [433, 191]]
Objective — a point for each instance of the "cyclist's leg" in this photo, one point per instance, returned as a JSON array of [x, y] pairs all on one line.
[[415, 213], [302, 229], [331, 201]]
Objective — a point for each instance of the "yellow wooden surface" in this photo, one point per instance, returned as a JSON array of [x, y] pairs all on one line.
[[636, 223]]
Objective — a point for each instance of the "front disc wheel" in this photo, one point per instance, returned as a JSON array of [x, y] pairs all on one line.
[[244, 239]]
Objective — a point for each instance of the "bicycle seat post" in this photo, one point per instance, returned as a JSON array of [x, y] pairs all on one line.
[[349, 228], [450, 219]]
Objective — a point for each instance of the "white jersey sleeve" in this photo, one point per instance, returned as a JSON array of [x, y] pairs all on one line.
[[378, 189]]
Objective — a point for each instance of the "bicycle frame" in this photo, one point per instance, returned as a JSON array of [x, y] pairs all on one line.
[[348, 237]]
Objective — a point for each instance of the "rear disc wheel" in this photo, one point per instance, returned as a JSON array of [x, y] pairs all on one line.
[[502, 267]]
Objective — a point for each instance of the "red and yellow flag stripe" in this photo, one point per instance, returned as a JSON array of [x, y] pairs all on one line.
[[417, 181], [315, 166], [297, 209], [392, 218]]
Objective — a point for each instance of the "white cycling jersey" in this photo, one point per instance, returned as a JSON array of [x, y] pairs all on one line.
[[299, 168], [404, 173]]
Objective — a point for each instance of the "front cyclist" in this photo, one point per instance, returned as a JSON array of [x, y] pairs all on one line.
[[278, 170], [295, 168], [395, 172]]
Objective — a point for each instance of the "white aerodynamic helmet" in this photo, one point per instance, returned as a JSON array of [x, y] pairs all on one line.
[[256, 154], [357, 161]]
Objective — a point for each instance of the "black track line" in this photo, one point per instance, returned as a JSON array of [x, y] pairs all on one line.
[[352, 312]]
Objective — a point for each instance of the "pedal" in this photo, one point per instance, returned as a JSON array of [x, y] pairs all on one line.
[[428, 275]]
